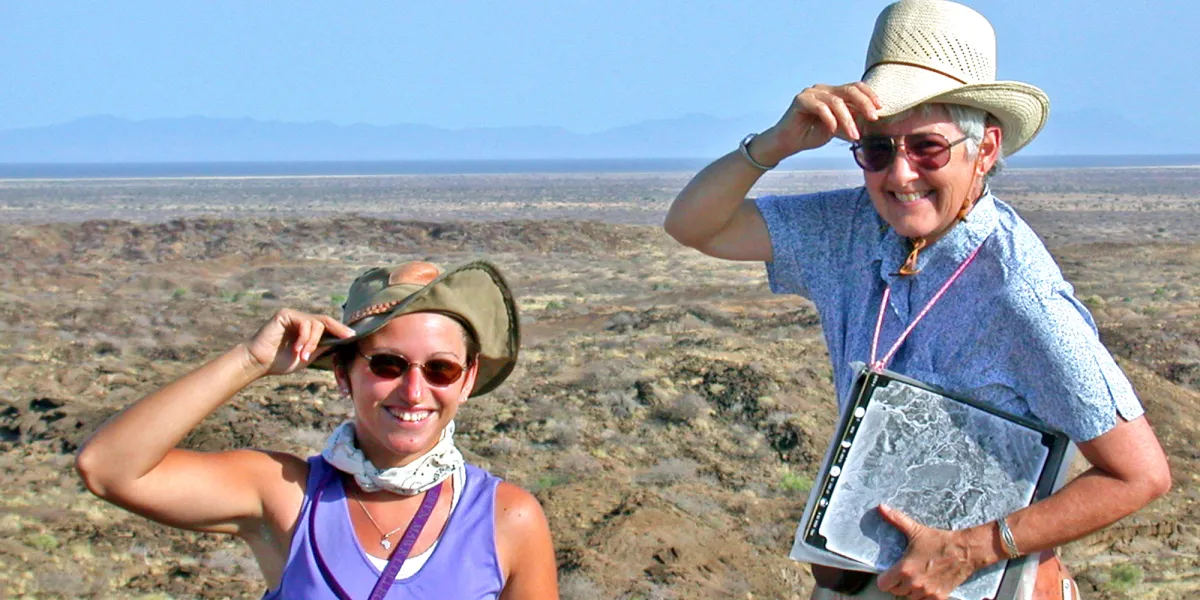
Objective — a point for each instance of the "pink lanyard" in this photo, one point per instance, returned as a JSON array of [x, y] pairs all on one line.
[[879, 365]]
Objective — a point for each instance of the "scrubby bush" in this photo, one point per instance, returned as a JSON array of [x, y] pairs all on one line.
[[1124, 577], [684, 409], [669, 471], [794, 484], [575, 586]]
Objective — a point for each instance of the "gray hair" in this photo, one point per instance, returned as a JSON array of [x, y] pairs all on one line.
[[970, 121]]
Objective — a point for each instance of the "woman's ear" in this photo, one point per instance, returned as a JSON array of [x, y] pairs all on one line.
[[989, 149], [343, 379], [469, 381]]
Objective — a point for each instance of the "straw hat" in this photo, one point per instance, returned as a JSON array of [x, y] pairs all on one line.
[[935, 51], [475, 294]]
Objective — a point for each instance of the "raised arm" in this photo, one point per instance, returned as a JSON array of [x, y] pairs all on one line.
[[132, 461], [712, 213]]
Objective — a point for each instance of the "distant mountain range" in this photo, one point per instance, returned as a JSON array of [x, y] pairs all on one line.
[[107, 139]]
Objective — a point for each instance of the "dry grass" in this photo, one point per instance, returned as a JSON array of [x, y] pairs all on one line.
[[668, 411]]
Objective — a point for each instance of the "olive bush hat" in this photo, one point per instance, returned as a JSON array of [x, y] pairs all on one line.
[[936, 51], [475, 294]]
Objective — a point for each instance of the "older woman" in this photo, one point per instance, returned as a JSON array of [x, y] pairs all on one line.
[[929, 123], [389, 509]]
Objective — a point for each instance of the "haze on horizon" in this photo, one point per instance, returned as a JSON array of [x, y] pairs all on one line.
[[585, 67]]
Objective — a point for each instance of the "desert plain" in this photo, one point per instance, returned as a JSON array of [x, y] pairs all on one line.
[[667, 410]]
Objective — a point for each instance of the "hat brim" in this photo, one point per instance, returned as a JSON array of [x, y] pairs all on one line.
[[1022, 109], [474, 294]]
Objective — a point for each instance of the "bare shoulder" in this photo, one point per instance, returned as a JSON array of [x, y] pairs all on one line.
[[524, 547], [517, 511]]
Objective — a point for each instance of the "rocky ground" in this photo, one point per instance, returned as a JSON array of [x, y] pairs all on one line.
[[667, 410]]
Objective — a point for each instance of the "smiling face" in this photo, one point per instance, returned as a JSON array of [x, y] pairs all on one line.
[[398, 420], [925, 203]]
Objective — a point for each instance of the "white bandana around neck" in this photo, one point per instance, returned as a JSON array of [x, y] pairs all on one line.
[[409, 480]]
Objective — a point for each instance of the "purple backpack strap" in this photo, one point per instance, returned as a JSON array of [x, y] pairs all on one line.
[[388, 577]]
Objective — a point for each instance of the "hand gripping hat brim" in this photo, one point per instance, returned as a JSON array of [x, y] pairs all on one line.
[[475, 294], [935, 51]]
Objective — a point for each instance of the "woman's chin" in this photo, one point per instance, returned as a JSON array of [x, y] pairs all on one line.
[[396, 449], [402, 452], [909, 222], [919, 223], [929, 227], [912, 230]]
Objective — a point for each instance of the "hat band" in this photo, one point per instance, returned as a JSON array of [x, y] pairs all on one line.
[[372, 310], [919, 66]]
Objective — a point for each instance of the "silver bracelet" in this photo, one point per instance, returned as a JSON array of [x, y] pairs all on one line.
[[744, 148], [1006, 538]]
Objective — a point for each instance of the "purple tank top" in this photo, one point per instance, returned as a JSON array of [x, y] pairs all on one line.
[[463, 565]]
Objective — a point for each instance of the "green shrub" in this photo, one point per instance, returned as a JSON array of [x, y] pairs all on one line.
[[1124, 577], [548, 481], [42, 541], [795, 483]]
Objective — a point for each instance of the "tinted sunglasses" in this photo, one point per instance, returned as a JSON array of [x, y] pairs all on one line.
[[926, 151], [438, 372]]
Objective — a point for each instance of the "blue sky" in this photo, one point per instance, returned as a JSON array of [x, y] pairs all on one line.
[[586, 66]]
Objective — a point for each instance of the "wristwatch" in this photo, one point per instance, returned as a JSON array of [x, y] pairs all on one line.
[[744, 148]]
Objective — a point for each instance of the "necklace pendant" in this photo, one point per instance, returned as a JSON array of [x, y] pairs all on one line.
[[386, 544]]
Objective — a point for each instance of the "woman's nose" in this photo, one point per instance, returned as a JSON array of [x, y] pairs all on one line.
[[412, 384], [902, 171]]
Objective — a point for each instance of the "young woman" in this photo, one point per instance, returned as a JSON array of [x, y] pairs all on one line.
[[388, 509]]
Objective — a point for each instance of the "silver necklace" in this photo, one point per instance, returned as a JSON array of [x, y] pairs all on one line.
[[383, 541]]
